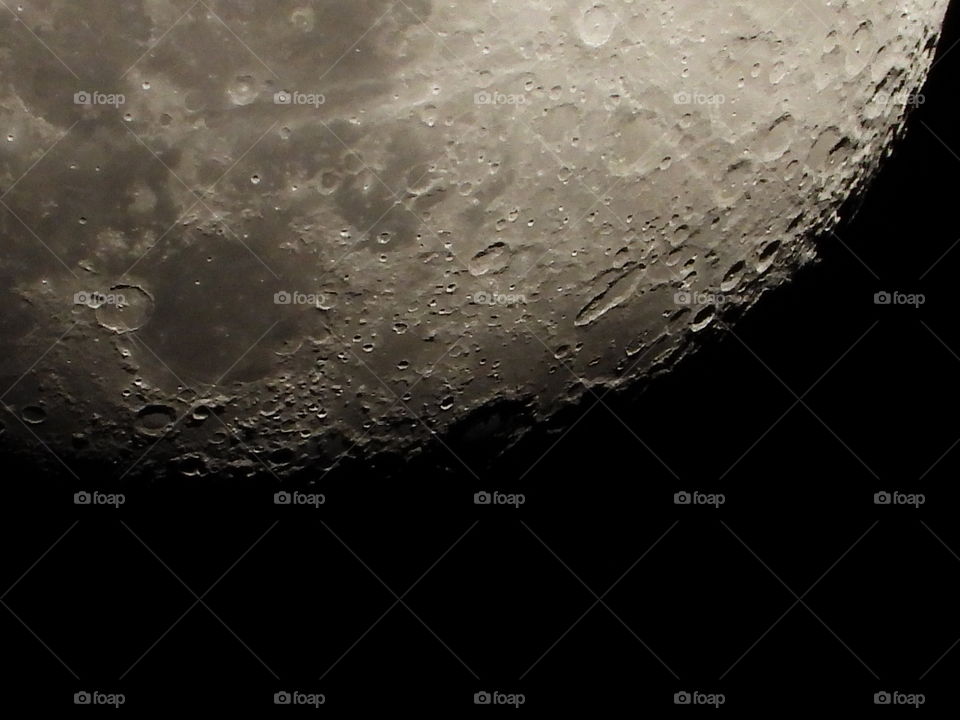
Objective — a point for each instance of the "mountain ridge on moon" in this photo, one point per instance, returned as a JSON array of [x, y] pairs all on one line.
[[251, 241]]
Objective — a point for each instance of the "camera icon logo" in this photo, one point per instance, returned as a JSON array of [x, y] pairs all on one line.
[[882, 298], [482, 498], [682, 498], [683, 98], [882, 498], [882, 698], [683, 298], [82, 698], [82, 498], [82, 98], [283, 298], [283, 98], [682, 698], [482, 698], [282, 498], [282, 698], [483, 98]]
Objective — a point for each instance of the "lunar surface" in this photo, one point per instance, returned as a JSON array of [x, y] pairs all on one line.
[[252, 238]]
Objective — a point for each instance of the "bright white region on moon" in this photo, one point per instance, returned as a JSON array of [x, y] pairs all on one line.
[[253, 238]]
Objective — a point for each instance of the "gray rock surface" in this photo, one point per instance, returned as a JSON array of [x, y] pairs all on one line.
[[267, 234]]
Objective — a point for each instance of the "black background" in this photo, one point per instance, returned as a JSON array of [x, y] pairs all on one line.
[[799, 503]]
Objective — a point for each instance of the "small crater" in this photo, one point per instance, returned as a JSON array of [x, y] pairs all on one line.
[[191, 466], [703, 318], [616, 293], [733, 277], [490, 261], [596, 25], [768, 256], [155, 419], [243, 91], [130, 312], [33, 415]]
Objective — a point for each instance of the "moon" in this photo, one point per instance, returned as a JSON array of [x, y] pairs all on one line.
[[254, 239]]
